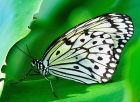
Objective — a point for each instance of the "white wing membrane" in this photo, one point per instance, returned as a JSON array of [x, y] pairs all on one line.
[[91, 61], [90, 52]]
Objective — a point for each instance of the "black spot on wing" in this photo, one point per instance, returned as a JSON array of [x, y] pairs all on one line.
[[57, 52], [109, 52], [100, 58], [86, 32], [68, 42], [82, 40], [101, 36], [100, 48], [92, 36], [117, 36], [96, 67], [94, 42], [76, 67], [76, 57]]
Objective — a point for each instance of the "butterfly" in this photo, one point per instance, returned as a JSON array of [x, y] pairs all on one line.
[[89, 52]]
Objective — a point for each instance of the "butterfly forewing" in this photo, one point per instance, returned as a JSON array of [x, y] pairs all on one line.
[[89, 52]]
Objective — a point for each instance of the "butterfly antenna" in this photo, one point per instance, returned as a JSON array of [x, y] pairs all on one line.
[[23, 52], [29, 52]]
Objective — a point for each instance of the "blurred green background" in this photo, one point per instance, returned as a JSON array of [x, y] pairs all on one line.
[[54, 18]]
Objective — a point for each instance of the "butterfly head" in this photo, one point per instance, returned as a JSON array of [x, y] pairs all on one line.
[[39, 64]]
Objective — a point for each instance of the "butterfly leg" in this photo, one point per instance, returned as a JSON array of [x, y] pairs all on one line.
[[28, 74], [51, 86]]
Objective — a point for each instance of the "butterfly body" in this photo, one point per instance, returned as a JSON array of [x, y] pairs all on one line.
[[89, 52]]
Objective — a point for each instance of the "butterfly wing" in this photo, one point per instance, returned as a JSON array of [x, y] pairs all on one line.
[[86, 61], [89, 52], [120, 28]]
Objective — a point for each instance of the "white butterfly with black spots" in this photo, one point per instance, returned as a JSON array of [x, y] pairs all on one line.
[[89, 52]]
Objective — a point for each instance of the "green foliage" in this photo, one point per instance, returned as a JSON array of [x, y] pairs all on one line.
[[56, 17], [14, 21]]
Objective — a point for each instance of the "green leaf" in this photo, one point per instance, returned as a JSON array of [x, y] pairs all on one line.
[[66, 90], [56, 17], [15, 18]]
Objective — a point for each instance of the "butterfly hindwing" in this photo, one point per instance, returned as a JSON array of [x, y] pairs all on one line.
[[89, 52]]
